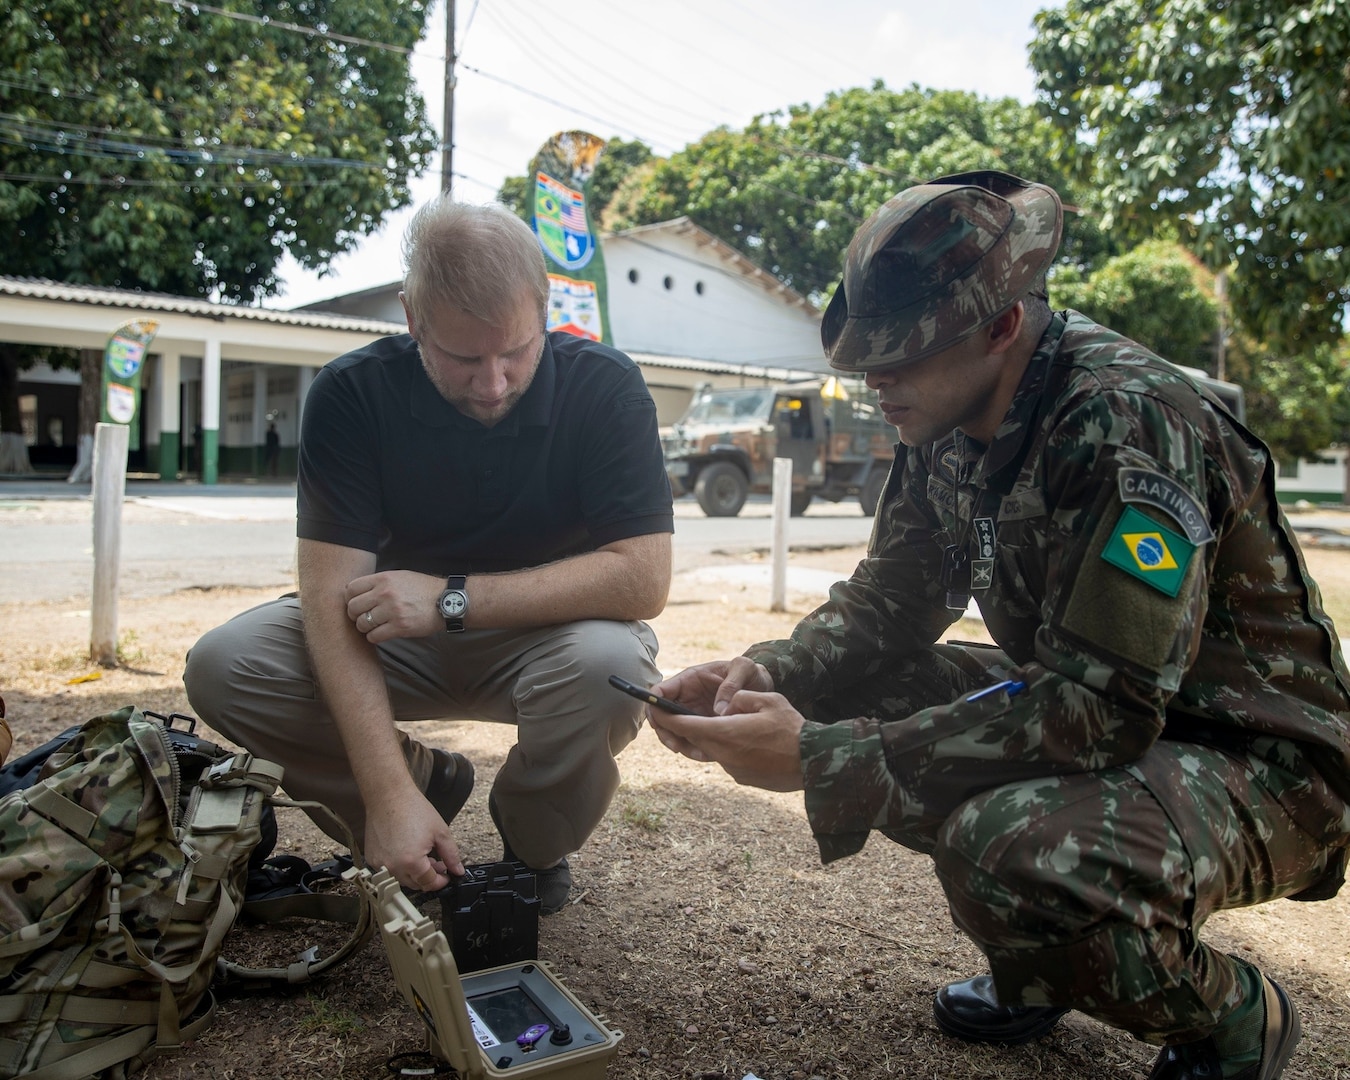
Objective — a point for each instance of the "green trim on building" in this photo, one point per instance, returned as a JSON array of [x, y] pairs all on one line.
[[210, 451], [163, 458]]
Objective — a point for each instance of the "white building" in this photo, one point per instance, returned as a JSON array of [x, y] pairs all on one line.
[[686, 306]]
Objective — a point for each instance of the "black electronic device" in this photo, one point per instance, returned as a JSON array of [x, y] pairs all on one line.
[[491, 915], [643, 694]]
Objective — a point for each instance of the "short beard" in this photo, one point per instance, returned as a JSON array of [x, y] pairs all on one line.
[[465, 406]]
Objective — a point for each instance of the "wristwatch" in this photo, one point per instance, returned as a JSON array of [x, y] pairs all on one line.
[[453, 603]]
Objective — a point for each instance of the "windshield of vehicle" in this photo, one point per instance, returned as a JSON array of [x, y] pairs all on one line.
[[730, 406]]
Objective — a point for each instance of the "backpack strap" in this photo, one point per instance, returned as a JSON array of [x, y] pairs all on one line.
[[352, 910]]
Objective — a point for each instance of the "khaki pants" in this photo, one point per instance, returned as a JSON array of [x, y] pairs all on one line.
[[251, 680]]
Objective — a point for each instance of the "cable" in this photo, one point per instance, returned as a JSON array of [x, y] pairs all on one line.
[[518, 38], [264, 20], [605, 69]]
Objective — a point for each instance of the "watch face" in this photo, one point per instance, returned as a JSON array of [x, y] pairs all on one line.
[[453, 602]]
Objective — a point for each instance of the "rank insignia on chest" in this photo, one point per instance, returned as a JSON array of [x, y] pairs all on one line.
[[1144, 549], [984, 537]]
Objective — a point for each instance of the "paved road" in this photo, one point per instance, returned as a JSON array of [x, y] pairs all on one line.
[[178, 536]]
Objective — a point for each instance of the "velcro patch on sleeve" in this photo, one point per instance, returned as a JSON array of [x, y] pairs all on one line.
[[1129, 594], [1144, 549]]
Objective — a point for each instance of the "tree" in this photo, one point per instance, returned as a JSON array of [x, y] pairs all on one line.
[[147, 145], [1157, 293], [1227, 119], [1299, 404], [790, 189]]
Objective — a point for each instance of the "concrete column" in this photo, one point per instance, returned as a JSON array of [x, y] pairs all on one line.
[[210, 448], [303, 377], [170, 415]]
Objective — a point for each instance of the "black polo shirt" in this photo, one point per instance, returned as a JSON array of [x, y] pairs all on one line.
[[387, 465]]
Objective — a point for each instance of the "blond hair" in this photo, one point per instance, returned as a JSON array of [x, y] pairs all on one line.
[[477, 259]]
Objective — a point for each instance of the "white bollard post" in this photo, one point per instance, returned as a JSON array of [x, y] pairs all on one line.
[[782, 513], [109, 488]]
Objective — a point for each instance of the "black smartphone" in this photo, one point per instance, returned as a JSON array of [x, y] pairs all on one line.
[[643, 694]]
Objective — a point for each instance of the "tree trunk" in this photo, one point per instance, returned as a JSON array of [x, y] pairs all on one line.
[[13, 449], [91, 386]]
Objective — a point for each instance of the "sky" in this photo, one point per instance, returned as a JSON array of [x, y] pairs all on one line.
[[667, 74]]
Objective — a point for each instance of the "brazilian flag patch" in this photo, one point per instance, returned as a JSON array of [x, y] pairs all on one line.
[[1153, 554]]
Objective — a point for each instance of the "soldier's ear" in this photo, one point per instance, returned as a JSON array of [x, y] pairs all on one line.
[[1006, 329]]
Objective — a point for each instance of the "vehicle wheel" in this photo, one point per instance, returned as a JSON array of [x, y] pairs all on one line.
[[721, 489], [871, 491], [800, 501]]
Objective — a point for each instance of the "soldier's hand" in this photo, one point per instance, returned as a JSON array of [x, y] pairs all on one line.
[[756, 741], [709, 688]]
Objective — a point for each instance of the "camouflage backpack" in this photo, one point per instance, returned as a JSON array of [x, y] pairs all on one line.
[[121, 871]]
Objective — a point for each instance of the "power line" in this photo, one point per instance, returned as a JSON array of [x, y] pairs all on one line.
[[53, 139], [257, 156], [189, 184], [311, 31]]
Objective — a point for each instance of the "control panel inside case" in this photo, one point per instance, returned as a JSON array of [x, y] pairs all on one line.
[[517, 1020]]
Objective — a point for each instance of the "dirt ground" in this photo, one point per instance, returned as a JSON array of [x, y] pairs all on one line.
[[703, 925]]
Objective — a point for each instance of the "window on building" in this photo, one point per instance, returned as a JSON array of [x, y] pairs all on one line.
[[1288, 470]]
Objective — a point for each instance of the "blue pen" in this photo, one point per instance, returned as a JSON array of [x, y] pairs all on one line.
[[1010, 685]]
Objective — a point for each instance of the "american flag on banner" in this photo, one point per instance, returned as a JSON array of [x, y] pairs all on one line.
[[574, 214]]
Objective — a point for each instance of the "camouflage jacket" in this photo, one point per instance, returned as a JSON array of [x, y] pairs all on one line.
[[1128, 554]]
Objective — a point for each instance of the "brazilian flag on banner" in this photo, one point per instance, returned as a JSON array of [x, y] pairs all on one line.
[[578, 291], [123, 360]]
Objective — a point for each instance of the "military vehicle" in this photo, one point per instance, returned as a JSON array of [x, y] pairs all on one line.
[[723, 447]]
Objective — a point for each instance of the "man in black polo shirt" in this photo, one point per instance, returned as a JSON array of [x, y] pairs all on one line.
[[484, 521]]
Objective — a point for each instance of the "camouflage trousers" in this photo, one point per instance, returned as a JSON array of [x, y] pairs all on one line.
[[1089, 890]]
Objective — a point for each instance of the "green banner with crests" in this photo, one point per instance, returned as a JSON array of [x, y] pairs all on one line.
[[578, 291], [123, 361]]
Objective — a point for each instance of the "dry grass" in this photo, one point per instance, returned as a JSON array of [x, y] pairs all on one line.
[[706, 928]]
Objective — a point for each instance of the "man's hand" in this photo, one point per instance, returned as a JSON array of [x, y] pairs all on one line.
[[755, 740], [409, 838], [395, 604]]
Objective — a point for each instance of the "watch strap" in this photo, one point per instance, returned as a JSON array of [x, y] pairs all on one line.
[[455, 583]]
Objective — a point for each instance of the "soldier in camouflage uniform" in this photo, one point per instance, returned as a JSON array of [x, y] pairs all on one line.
[[1161, 731]]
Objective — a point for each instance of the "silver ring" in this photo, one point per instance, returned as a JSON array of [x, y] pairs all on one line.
[[370, 618]]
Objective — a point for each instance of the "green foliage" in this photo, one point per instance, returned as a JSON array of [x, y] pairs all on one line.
[[790, 189], [1227, 119], [144, 145], [1298, 404], [1158, 294]]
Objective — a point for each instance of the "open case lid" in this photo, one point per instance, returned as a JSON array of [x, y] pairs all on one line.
[[424, 968]]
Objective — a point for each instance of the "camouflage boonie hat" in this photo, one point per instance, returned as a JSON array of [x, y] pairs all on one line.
[[937, 262]]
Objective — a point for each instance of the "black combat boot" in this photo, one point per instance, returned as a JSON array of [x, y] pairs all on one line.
[[1273, 1029], [970, 1010]]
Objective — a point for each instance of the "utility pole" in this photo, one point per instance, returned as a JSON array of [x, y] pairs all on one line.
[[448, 116]]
